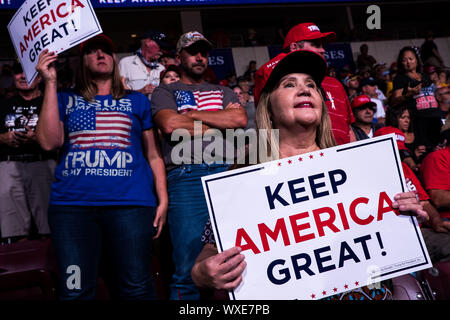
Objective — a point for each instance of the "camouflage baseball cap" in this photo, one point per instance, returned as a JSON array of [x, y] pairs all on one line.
[[189, 38]]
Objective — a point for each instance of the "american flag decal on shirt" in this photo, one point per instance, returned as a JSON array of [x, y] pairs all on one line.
[[199, 100], [102, 129]]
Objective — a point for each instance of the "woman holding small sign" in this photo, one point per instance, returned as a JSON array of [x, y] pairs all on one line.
[[102, 195], [289, 98]]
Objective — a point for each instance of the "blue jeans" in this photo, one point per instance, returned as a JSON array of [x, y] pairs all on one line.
[[187, 217], [77, 236]]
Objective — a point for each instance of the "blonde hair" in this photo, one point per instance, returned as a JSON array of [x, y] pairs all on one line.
[[324, 134], [264, 123], [87, 87]]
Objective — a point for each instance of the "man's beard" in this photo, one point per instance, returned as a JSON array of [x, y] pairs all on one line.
[[189, 71]]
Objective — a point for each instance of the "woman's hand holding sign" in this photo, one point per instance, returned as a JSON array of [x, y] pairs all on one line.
[[218, 271], [408, 204], [45, 67], [50, 129]]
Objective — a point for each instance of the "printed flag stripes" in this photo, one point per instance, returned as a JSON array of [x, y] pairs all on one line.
[[199, 100], [103, 130]]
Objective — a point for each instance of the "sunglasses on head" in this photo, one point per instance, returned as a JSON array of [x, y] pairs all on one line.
[[195, 49]]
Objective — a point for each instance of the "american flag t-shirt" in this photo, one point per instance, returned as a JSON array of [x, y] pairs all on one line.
[[199, 100], [99, 129]]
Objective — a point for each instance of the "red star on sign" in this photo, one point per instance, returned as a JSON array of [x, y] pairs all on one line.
[[290, 161], [300, 159], [335, 289], [313, 296], [324, 292], [346, 287], [356, 283], [321, 154], [311, 156]]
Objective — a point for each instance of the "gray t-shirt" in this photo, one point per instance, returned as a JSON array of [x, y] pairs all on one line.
[[183, 98], [251, 111]]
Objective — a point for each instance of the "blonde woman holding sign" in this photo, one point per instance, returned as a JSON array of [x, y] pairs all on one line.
[[289, 99]]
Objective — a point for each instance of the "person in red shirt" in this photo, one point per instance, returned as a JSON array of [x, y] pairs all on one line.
[[435, 171], [435, 230], [307, 36]]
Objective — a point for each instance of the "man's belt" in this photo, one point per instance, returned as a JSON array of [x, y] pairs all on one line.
[[27, 157]]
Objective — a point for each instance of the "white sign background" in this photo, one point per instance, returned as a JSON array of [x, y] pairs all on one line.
[[237, 199], [50, 24]]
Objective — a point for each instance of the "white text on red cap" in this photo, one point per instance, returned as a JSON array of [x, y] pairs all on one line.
[[313, 28], [400, 137], [272, 64]]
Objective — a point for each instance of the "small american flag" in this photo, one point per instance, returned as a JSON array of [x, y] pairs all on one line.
[[102, 129], [199, 100]]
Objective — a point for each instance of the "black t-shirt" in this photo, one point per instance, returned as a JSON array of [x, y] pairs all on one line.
[[423, 104], [424, 110], [15, 114], [381, 84]]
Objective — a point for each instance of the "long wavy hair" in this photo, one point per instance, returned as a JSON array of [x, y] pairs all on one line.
[[394, 114], [324, 134], [85, 81]]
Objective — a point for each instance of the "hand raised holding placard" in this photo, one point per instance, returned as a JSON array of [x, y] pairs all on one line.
[[54, 25], [45, 66]]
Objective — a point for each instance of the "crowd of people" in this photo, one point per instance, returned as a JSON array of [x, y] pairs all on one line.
[[90, 164]]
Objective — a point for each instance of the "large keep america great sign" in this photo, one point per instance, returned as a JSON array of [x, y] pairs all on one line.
[[317, 224]]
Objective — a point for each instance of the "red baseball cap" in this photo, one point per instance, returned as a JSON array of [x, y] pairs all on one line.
[[363, 100], [399, 135], [100, 38], [307, 31], [430, 69], [170, 67], [299, 61]]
